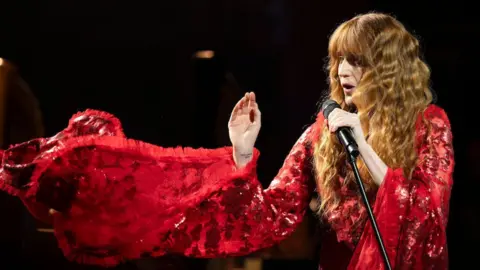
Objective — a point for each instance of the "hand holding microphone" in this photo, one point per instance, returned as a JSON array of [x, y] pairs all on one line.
[[346, 125]]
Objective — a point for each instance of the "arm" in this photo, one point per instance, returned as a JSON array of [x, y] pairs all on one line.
[[121, 199], [240, 218], [376, 166], [412, 214]]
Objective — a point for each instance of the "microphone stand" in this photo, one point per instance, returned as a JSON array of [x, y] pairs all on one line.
[[352, 157]]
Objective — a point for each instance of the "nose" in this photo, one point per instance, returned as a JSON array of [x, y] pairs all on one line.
[[344, 68]]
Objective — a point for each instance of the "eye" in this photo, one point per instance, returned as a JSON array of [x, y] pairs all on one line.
[[341, 59], [354, 60], [350, 59]]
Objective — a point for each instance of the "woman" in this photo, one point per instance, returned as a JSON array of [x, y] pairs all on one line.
[[119, 199]]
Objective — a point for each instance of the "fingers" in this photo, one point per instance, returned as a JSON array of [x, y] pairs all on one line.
[[239, 107], [251, 99], [247, 105], [332, 117], [255, 115], [338, 118], [333, 126], [247, 102], [251, 96]]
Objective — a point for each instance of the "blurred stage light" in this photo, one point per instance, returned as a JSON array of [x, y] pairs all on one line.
[[1, 61], [205, 54], [44, 230]]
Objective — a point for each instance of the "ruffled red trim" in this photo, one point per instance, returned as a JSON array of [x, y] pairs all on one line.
[[132, 146], [119, 144], [171, 155], [99, 114]]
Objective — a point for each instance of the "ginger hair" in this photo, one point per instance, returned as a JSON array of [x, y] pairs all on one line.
[[392, 92]]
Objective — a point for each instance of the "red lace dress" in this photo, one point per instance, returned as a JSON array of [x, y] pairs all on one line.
[[121, 199]]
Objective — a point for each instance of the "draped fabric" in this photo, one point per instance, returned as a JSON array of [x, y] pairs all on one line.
[[119, 199]]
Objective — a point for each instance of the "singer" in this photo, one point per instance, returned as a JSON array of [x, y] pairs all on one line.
[[116, 199]]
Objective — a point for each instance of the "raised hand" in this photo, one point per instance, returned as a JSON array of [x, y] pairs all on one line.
[[243, 128]]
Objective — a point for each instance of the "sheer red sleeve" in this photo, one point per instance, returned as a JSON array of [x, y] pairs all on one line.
[[412, 214], [122, 199]]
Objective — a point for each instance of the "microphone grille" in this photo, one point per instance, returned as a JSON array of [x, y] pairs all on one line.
[[328, 106]]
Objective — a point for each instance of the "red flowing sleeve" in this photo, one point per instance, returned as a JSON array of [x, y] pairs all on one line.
[[119, 199], [412, 214]]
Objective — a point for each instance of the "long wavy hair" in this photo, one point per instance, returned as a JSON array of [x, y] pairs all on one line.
[[392, 92]]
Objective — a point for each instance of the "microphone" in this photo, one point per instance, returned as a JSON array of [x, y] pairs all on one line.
[[344, 134]]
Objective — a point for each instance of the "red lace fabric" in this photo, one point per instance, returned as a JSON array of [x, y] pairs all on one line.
[[121, 199]]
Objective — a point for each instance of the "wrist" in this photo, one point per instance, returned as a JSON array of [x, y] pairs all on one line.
[[364, 148], [242, 156]]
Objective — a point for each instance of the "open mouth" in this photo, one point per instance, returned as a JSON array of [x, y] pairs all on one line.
[[348, 86]]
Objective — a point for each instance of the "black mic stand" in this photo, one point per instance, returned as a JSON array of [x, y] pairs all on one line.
[[352, 153]]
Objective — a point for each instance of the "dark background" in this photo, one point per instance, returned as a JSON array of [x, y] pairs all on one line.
[[134, 59]]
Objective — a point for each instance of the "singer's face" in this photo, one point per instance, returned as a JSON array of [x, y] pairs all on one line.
[[349, 73]]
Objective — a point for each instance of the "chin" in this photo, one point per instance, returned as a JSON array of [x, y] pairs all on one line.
[[349, 101], [350, 105]]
